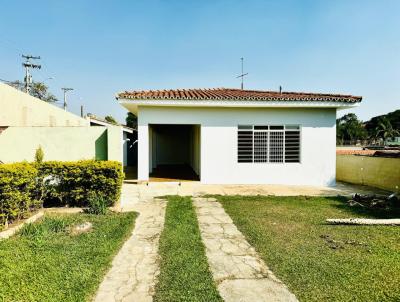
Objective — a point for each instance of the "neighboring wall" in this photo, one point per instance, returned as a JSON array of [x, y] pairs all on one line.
[[218, 142], [27, 123], [115, 143], [61, 143], [18, 108], [378, 172]]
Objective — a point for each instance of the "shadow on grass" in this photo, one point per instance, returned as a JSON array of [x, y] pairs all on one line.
[[364, 211]]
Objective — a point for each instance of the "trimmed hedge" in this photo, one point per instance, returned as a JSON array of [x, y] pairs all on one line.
[[17, 191], [26, 186], [71, 183]]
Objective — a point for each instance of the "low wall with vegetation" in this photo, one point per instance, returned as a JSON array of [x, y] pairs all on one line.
[[27, 186], [373, 171]]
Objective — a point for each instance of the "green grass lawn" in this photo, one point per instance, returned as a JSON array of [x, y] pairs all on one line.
[[44, 262], [321, 262], [184, 272]]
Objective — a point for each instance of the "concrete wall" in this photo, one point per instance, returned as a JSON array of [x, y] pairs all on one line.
[[378, 172], [218, 140], [60, 143], [20, 109], [115, 143]]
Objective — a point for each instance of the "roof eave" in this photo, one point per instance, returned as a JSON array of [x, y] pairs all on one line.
[[237, 103]]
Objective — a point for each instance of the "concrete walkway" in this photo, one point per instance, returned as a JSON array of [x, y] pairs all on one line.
[[134, 269], [240, 274], [145, 191]]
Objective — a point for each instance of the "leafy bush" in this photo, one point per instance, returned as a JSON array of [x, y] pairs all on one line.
[[17, 187], [71, 183], [97, 204], [24, 186]]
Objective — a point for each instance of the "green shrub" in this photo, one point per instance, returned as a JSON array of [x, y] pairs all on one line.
[[24, 186], [97, 204], [17, 191], [71, 183], [39, 155]]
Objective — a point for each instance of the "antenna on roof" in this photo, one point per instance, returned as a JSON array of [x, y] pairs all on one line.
[[242, 75]]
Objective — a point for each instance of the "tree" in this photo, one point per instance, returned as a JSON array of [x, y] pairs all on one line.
[[385, 130], [41, 91], [393, 117], [349, 128], [111, 120], [131, 120], [38, 90]]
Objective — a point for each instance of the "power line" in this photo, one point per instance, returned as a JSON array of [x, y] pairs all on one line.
[[65, 96], [28, 64], [6, 81]]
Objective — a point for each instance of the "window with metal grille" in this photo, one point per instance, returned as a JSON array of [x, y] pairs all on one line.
[[245, 144], [268, 144]]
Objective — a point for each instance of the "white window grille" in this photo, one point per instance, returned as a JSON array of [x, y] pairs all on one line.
[[269, 144]]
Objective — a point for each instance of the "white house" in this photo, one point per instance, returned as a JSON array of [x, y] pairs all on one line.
[[233, 136]]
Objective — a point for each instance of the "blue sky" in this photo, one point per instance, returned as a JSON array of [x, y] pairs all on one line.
[[102, 47]]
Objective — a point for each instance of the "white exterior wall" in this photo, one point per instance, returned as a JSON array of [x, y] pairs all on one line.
[[125, 148], [218, 139]]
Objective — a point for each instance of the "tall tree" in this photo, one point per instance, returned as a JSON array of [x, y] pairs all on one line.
[[131, 120], [349, 129], [38, 90]]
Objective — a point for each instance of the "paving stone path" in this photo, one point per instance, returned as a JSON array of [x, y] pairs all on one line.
[[237, 269], [134, 269]]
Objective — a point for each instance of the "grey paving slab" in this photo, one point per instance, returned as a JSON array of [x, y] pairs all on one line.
[[134, 270], [240, 274]]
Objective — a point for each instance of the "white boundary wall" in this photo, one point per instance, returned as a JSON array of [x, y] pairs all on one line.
[[218, 163]]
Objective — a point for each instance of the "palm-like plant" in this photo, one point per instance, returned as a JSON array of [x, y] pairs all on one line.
[[385, 130]]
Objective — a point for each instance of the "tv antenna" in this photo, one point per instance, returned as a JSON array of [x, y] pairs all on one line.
[[65, 96], [242, 75], [28, 64]]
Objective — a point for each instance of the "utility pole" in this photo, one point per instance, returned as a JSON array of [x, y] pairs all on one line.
[[28, 64], [242, 75], [65, 96]]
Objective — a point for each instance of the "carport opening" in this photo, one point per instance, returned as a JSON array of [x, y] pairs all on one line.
[[174, 152]]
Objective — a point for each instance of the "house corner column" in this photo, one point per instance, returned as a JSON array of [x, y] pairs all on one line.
[[143, 152]]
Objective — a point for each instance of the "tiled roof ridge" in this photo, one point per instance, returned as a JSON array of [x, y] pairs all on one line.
[[234, 94]]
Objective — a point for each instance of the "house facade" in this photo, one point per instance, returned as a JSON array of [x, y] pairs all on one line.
[[232, 136]]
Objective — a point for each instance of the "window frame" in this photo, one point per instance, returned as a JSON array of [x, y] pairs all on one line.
[[284, 129]]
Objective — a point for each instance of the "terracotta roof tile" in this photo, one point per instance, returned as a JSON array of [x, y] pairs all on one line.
[[235, 94]]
